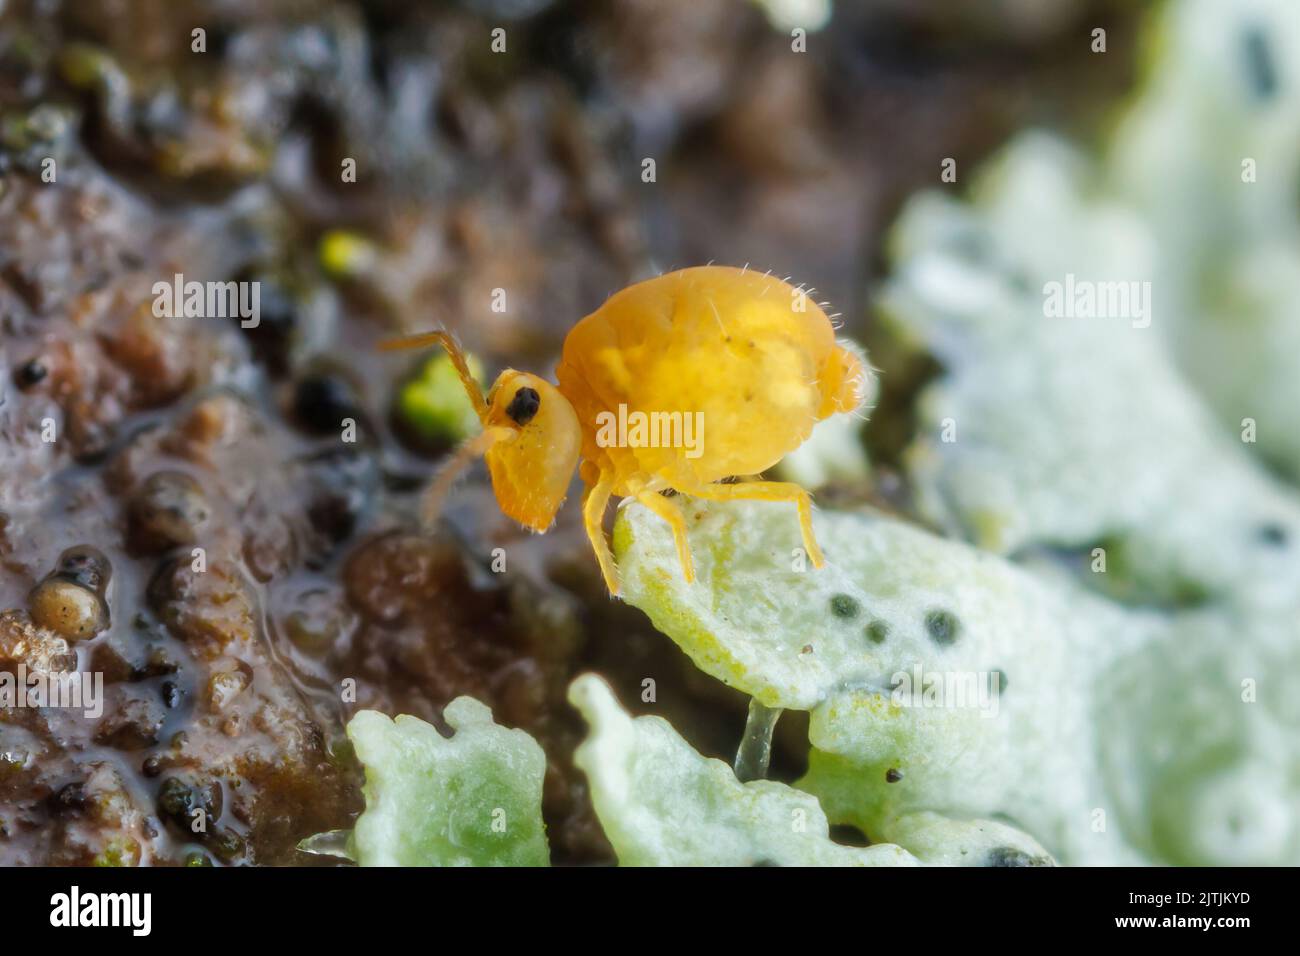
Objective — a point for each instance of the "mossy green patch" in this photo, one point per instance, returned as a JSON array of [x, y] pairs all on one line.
[[433, 404]]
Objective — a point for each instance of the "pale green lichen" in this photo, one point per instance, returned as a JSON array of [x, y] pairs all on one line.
[[1072, 431], [471, 800], [942, 841], [662, 804], [1065, 748], [1219, 119]]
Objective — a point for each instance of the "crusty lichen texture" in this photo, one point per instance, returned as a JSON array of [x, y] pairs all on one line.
[[662, 804], [1114, 735], [1073, 431], [1209, 154]]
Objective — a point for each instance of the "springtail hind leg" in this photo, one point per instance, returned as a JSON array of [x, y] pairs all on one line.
[[769, 491], [672, 514]]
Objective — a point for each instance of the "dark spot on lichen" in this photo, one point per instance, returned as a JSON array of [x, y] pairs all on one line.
[[1187, 593], [807, 649], [877, 631], [973, 245], [1273, 534], [523, 407], [1020, 280], [1010, 856], [1261, 70], [893, 775], [765, 862], [942, 627], [845, 607]]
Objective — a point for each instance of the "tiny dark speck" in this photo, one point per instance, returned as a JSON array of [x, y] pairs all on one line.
[[766, 862], [943, 627], [893, 775], [807, 649], [1273, 534], [843, 606]]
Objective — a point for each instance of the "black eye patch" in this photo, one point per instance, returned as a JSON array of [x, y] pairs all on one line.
[[524, 406]]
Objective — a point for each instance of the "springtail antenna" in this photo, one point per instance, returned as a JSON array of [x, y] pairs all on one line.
[[455, 353], [440, 487]]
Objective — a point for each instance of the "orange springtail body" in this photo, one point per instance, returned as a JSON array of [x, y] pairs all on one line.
[[736, 365]]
